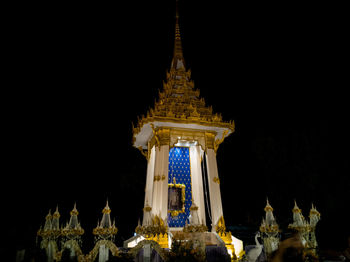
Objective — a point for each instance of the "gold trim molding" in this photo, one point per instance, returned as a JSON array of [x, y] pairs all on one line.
[[171, 136]]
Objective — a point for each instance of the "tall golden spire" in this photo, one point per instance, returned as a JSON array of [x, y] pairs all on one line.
[[178, 59], [179, 103]]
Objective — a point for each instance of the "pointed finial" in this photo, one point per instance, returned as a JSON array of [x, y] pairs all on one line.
[[295, 204], [314, 211], [177, 8], [74, 212], [178, 60], [49, 216], [106, 210], [296, 209], [268, 206], [56, 214]]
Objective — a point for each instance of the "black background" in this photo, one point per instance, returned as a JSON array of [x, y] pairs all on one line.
[[77, 76]]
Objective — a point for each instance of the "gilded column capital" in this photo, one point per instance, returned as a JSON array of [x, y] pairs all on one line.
[[209, 140], [163, 135]]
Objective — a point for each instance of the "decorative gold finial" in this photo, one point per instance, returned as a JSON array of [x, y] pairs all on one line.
[[48, 216], [296, 209], [56, 214], [106, 210], [74, 212], [268, 206], [178, 54]]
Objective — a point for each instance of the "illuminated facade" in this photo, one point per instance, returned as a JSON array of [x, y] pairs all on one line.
[[175, 136]]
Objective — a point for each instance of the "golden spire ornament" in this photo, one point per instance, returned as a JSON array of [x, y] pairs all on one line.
[[73, 229], [105, 229]]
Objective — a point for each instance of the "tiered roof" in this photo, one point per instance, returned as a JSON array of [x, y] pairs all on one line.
[[179, 101]]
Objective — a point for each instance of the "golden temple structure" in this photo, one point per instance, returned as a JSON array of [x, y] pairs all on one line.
[[175, 136]]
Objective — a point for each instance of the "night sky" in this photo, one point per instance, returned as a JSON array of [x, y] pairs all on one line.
[[77, 77]]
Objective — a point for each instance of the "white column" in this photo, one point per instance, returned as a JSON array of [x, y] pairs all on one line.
[[197, 181], [50, 251], [163, 183], [103, 255], [149, 181], [214, 187], [147, 253], [155, 198]]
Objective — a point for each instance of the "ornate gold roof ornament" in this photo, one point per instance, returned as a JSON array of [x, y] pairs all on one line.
[[56, 230], [220, 226], [270, 231], [306, 228], [299, 223], [268, 207], [105, 229], [73, 229], [47, 230], [74, 212], [296, 209], [178, 54], [56, 215], [314, 212], [179, 105], [315, 217], [106, 210], [269, 225], [51, 230]]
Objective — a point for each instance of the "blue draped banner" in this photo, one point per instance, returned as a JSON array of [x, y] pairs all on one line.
[[180, 169]]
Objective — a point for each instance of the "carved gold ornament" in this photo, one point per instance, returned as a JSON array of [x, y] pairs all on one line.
[[216, 180]]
